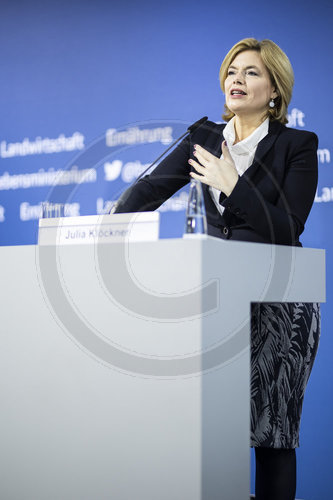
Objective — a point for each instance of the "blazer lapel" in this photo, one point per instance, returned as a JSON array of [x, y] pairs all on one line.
[[214, 146], [263, 147]]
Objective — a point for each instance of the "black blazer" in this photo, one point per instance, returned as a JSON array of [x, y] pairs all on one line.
[[271, 200]]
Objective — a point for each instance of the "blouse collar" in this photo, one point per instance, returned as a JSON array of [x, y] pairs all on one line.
[[246, 146]]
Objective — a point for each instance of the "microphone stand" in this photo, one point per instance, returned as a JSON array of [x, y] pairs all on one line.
[[127, 192]]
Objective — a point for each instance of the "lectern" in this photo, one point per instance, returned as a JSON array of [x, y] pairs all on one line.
[[125, 366]]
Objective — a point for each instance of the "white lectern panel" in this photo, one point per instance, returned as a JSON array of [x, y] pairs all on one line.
[[124, 369]]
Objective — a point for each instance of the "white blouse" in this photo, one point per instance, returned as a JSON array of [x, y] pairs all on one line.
[[242, 153]]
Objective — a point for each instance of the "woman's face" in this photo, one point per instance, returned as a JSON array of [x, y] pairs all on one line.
[[248, 87]]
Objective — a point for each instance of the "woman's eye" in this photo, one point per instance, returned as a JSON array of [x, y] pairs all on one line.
[[253, 73], [231, 72]]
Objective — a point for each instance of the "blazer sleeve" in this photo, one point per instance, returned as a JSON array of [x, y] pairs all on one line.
[[169, 176], [281, 221]]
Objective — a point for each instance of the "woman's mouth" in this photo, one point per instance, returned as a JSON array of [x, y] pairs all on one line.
[[237, 93]]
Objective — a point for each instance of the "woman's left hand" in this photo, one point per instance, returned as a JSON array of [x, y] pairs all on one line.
[[216, 172]]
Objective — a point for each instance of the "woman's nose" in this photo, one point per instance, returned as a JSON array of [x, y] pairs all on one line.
[[238, 78]]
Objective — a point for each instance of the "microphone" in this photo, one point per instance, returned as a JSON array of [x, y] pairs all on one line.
[[124, 197], [197, 124]]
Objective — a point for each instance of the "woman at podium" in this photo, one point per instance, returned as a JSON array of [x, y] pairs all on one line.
[[259, 181]]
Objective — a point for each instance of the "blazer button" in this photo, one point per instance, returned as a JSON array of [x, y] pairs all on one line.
[[225, 231]]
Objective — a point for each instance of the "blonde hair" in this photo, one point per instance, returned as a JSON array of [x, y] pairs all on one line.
[[278, 67]]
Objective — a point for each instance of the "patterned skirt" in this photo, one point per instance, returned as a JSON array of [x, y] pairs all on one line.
[[284, 343]]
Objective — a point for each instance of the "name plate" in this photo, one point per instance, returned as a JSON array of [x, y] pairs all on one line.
[[96, 229]]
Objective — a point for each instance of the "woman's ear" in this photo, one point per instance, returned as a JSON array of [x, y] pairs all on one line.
[[275, 94]]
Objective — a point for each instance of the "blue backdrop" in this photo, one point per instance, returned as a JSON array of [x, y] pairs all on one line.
[[92, 91]]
